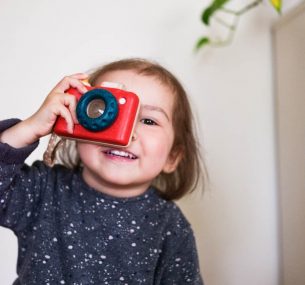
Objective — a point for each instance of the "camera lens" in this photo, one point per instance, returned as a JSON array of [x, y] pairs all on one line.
[[96, 108]]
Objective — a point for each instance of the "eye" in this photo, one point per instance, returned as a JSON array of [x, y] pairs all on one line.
[[148, 122]]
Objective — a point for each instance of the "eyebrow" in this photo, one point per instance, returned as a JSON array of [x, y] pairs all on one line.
[[155, 108]]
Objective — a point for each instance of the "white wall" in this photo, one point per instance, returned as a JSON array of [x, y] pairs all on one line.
[[235, 221]]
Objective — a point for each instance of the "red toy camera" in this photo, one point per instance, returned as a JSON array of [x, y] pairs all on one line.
[[106, 115]]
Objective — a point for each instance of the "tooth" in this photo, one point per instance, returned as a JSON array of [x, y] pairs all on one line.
[[121, 153], [116, 152]]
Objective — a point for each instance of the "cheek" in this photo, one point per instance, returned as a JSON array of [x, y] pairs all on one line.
[[86, 151], [82, 149], [159, 147]]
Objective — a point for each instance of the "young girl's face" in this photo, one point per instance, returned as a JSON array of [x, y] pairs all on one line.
[[127, 172]]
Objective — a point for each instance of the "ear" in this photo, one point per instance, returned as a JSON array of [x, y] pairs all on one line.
[[172, 161]]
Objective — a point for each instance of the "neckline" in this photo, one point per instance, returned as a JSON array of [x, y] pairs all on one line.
[[85, 187]]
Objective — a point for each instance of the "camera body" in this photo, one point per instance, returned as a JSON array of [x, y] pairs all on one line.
[[106, 116]]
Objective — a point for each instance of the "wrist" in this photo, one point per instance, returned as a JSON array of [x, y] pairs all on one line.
[[19, 135], [30, 130]]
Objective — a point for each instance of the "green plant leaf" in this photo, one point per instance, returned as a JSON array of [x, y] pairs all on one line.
[[277, 4], [202, 42], [210, 10]]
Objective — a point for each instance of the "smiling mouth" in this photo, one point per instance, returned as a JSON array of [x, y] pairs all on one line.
[[120, 153]]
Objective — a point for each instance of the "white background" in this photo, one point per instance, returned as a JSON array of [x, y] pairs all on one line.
[[231, 88]]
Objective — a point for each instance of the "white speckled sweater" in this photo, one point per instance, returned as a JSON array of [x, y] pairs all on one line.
[[69, 233]]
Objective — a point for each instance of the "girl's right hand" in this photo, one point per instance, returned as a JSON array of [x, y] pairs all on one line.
[[57, 103]]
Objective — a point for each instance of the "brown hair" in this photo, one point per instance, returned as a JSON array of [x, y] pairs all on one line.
[[190, 170]]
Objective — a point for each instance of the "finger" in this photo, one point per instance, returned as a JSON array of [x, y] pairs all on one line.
[[70, 81], [70, 101], [65, 113], [79, 85], [80, 76]]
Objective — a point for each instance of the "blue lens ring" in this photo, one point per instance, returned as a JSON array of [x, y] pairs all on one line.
[[103, 121]]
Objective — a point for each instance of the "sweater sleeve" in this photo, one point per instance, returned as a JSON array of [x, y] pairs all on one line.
[[20, 184], [9, 154], [183, 265]]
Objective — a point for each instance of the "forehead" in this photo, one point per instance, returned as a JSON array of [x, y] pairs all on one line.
[[150, 89]]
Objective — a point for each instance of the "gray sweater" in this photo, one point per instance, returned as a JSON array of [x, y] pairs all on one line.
[[69, 233]]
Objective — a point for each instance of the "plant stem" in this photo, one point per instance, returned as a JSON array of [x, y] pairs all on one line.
[[232, 27], [222, 22], [229, 37], [243, 10], [249, 6]]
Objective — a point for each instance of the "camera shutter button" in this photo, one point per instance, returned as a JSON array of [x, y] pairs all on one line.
[[122, 101]]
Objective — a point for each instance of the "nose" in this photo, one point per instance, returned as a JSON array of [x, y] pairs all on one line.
[[134, 136]]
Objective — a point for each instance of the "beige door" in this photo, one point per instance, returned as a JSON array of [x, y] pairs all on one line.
[[289, 55]]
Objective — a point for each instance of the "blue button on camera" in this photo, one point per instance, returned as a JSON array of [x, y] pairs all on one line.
[[97, 109]]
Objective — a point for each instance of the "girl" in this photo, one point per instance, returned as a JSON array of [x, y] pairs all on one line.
[[104, 215]]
